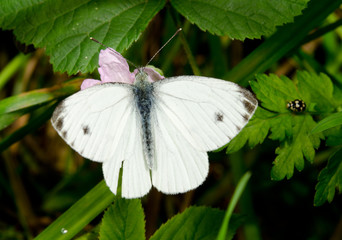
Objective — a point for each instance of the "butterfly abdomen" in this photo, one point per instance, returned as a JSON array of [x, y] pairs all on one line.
[[144, 98]]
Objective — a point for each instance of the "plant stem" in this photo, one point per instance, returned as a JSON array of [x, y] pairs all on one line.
[[251, 227], [185, 44], [232, 204], [12, 68]]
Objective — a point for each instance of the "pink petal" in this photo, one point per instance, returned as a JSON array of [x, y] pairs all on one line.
[[89, 83], [114, 67], [153, 74]]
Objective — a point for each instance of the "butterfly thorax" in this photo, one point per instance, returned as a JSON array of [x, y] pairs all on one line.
[[144, 98]]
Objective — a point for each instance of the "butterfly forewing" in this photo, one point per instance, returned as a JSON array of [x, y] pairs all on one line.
[[208, 112], [101, 123]]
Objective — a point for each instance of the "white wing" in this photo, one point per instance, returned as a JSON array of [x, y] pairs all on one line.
[[194, 115], [102, 124]]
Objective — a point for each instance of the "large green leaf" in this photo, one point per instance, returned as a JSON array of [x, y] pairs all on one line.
[[64, 27], [286, 39], [196, 223], [239, 19], [124, 220]]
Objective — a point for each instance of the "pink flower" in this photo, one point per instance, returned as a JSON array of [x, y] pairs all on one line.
[[114, 68]]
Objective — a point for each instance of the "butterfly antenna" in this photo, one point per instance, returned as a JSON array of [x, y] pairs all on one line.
[[179, 29], [111, 49]]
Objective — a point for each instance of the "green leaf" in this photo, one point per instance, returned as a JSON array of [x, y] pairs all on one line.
[[291, 153], [275, 92], [287, 38], [124, 219], [329, 179], [254, 132], [318, 89], [239, 19], [331, 121], [196, 223], [64, 27], [12, 108]]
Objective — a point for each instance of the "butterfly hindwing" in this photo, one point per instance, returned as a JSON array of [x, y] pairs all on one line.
[[179, 167]]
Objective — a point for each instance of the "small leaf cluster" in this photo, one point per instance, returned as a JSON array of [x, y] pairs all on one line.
[[124, 219], [294, 130]]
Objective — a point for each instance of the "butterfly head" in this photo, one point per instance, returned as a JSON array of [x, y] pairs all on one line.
[[141, 75], [149, 73]]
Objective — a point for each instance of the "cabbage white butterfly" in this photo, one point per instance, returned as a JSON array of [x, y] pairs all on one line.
[[157, 129]]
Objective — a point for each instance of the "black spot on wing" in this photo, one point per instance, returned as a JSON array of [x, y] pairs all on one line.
[[58, 111], [59, 123], [246, 117], [86, 130], [219, 117], [248, 106], [238, 128], [250, 96], [64, 134]]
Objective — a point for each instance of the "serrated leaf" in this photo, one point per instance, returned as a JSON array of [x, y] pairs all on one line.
[[196, 223], [292, 152], [239, 19], [124, 220], [331, 121], [254, 132], [330, 179], [281, 127], [318, 88], [64, 27], [275, 92]]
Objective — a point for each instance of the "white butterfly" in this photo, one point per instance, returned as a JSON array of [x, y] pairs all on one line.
[[158, 130]]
